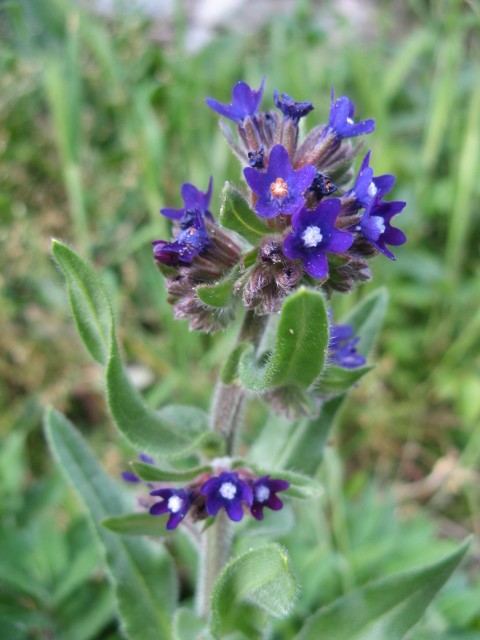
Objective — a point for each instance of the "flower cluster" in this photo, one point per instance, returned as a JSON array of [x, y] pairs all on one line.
[[234, 491], [320, 229]]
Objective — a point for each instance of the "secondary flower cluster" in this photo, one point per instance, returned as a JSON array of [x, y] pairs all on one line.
[[234, 491], [319, 230]]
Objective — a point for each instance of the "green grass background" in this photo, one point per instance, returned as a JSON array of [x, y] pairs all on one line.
[[100, 123]]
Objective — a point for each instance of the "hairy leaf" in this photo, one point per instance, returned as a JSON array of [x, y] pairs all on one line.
[[262, 577], [219, 294], [236, 215], [170, 432], [138, 524], [91, 308], [387, 608], [142, 573], [300, 347]]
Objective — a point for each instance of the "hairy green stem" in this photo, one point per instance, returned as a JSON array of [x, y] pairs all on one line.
[[214, 553], [226, 416]]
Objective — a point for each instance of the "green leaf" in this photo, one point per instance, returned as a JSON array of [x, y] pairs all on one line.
[[170, 432], [230, 368], [151, 473], [367, 319], [90, 305], [142, 573], [219, 294], [138, 524], [236, 215], [187, 626], [303, 448], [164, 433], [250, 258], [300, 347], [262, 577], [336, 380], [387, 608]]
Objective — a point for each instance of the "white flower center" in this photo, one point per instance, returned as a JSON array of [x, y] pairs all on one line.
[[228, 490], [311, 237], [350, 121], [372, 190], [174, 504], [378, 224], [262, 493]]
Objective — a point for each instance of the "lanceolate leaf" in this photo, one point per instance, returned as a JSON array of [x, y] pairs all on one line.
[[138, 524], [166, 433], [142, 574], [145, 428], [303, 448], [385, 609], [336, 380], [263, 577], [235, 214], [90, 305], [150, 473], [300, 347]]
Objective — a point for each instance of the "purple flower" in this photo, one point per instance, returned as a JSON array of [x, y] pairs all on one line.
[[279, 189], [194, 200], [245, 102], [341, 119], [314, 235], [143, 457], [264, 495], [375, 225], [128, 476], [290, 108], [227, 491], [366, 187], [175, 501], [342, 345], [191, 241]]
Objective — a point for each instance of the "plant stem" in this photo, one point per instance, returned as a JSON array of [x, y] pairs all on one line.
[[226, 416], [214, 553]]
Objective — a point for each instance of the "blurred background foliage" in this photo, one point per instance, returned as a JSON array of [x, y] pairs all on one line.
[[102, 117]]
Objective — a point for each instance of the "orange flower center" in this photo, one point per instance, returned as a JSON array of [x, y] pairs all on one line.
[[279, 188]]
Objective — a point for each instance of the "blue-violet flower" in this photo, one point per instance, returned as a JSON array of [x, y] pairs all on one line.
[[375, 225], [190, 241], [314, 235], [245, 102], [290, 108], [280, 188], [265, 495], [175, 501], [366, 187], [342, 347], [341, 120], [227, 492], [194, 200]]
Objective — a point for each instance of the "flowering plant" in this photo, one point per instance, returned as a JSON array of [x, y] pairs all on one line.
[[303, 229]]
